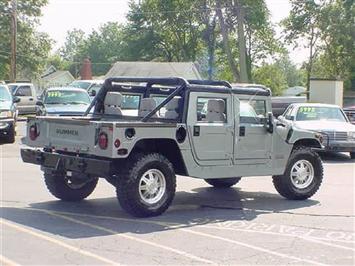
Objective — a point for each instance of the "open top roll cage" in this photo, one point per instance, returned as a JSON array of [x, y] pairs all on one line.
[[180, 83]]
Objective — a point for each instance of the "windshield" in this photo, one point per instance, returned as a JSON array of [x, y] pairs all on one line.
[[4, 94], [246, 110], [66, 97], [12, 88], [313, 113], [81, 84], [130, 101], [95, 88]]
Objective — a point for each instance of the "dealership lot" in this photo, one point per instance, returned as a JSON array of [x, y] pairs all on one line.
[[248, 224]]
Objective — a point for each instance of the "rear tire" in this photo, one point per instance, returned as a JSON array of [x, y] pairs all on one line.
[[352, 155], [303, 175], [223, 182], [10, 138], [60, 187], [147, 186]]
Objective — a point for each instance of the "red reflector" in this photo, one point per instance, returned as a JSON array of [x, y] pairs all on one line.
[[117, 143], [33, 132], [103, 141]]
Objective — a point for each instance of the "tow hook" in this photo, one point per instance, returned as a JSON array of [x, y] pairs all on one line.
[[39, 157], [82, 165]]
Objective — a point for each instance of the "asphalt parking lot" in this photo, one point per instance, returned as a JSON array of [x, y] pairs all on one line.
[[247, 224]]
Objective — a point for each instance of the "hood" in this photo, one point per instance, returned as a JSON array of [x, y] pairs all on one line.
[[4, 106], [325, 126], [66, 108]]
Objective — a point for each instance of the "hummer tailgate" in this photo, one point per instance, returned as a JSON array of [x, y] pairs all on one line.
[[78, 137], [62, 134]]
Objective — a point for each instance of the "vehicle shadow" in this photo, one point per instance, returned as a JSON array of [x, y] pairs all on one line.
[[202, 206]]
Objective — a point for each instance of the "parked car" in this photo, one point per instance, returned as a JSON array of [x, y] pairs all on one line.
[[92, 86], [63, 102], [350, 113], [8, 114], [338, 134], [27, 94]]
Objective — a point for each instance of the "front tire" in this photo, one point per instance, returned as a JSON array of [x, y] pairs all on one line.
[[303, 175], [61, 187], [148, 185], [223, 182]]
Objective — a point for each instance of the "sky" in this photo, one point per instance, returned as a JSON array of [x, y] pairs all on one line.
[[60, 16]]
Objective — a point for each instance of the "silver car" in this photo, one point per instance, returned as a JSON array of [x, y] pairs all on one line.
[[337, 133]]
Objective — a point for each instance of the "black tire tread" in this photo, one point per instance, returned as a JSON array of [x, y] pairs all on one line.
[[282, 183], [57, 187], [126, 190], [11, 137], [223, 182]]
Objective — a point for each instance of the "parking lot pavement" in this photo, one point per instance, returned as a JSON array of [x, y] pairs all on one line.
[[247, 224]]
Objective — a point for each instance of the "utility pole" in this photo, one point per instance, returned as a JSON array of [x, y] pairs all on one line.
[[13, 40]]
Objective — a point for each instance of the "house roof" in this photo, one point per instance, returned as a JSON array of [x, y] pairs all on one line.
[[186, 70], [57, 74]]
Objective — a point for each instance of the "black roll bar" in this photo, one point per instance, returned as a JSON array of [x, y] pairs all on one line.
[[173, 81]]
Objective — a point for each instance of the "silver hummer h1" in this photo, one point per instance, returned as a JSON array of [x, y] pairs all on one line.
[[144, 131]]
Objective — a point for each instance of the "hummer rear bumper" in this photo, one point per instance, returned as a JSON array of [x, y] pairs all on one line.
[[60, 162]]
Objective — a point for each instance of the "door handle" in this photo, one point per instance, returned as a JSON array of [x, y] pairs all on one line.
[[31, 99], [196, 131], [242, 131]]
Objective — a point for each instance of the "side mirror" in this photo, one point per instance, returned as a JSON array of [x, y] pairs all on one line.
[[40, 103], [270, 123], [280, 117], [16, 100], [93, 93]]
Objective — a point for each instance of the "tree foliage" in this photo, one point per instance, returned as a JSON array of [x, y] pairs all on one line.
[[327, 29], [33, 47], [272, 77]]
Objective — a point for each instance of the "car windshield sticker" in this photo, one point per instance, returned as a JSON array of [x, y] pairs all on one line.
[[310, 112], [54, 94]]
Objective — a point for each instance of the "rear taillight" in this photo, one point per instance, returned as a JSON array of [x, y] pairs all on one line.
[[117, 143], [103, 140], [34, 132]]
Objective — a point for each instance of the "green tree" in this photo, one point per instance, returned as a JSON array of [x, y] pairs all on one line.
[[337, 58], [104, 47], [260, 40], [303, 25], [272, 77], [165, 30], [293, 75], [32, 47]]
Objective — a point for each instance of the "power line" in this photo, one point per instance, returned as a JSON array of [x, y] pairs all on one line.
[[65, 61]]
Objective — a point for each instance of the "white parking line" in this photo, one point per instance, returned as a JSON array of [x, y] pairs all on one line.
[[253, 247], [118, 234], [57, 242], [320, 240], [182, 227], [169, 225], [7, 262]]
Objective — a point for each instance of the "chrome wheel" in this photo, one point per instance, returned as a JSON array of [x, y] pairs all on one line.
[[302, 174], [152, 186]]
